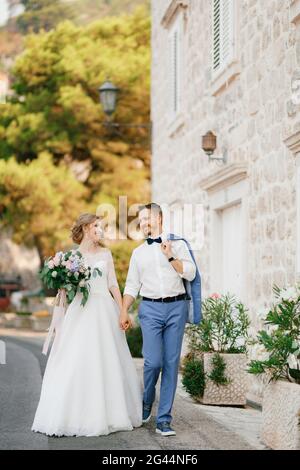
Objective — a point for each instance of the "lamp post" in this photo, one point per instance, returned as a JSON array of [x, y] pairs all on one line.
[[108, 94]]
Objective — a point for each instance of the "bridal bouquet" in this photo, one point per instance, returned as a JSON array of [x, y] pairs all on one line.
[[67, 271]]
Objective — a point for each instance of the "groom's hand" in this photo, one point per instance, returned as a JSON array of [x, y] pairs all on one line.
[[125, 321], [166, 248]]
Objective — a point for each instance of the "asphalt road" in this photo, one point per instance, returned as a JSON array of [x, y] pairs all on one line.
[[20, 383]]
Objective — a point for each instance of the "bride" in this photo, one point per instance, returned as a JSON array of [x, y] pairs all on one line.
[[90, 386]]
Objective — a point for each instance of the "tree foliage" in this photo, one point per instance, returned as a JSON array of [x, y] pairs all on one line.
[[52, 126], [55, 106], [39, 201], [42, 14]]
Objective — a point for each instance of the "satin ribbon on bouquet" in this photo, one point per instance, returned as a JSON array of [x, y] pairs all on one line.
[[59, 310]]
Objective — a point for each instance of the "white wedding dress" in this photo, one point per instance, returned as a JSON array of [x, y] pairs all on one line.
[[90, 385]]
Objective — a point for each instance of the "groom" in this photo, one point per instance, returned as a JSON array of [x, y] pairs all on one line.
[[156, 271]]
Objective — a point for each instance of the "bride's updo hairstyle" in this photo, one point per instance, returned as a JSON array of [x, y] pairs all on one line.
[[77, 232]]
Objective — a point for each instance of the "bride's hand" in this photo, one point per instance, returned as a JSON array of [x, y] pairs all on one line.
[[125, 321]]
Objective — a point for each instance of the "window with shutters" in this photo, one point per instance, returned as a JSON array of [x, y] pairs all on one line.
[[175, 67], [223, 35]]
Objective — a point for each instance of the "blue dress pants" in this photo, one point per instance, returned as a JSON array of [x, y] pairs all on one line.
[[162, 327]]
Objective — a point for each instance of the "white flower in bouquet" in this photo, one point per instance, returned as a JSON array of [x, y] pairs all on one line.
[[54, 274]]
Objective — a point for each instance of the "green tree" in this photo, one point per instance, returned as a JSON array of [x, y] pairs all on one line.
[[42, 14], [40, 201], [53, 124], [55, 107]]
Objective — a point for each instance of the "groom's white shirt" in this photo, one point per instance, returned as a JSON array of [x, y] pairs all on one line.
[[152, 275]]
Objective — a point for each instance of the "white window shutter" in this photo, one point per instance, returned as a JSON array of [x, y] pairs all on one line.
[[223, 33], [228, 29]]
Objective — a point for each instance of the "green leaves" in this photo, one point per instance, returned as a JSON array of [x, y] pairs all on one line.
[[85, 294], [58, 159], [42, 14], [40, 201], [223, 328], [217, 374], [193, 377], [256, 367], [281, 338]]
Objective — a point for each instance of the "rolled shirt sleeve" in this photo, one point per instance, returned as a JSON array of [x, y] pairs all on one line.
[[133, 282], [181, 252]]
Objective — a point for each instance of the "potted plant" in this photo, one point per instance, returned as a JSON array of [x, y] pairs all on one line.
[[279, 341], [214, 370]]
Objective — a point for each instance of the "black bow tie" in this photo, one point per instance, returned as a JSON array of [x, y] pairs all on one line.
[[152, 240]]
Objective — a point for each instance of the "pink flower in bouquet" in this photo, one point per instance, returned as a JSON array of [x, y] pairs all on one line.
[[68, 265], [51, 264], [56, 260]]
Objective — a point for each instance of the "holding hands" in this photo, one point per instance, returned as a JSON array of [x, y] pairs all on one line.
[[125, 320]]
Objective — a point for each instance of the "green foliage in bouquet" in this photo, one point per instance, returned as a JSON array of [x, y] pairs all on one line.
[[281, 338]]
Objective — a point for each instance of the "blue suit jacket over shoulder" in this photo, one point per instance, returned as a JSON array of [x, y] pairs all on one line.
[[193, 288]]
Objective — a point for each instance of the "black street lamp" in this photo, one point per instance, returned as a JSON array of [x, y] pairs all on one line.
[[108, 94]]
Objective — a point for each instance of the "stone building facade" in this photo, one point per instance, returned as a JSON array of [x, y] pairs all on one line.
[[231, 67]]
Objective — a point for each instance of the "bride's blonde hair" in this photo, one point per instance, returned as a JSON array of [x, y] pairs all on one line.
[[77, 232]]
